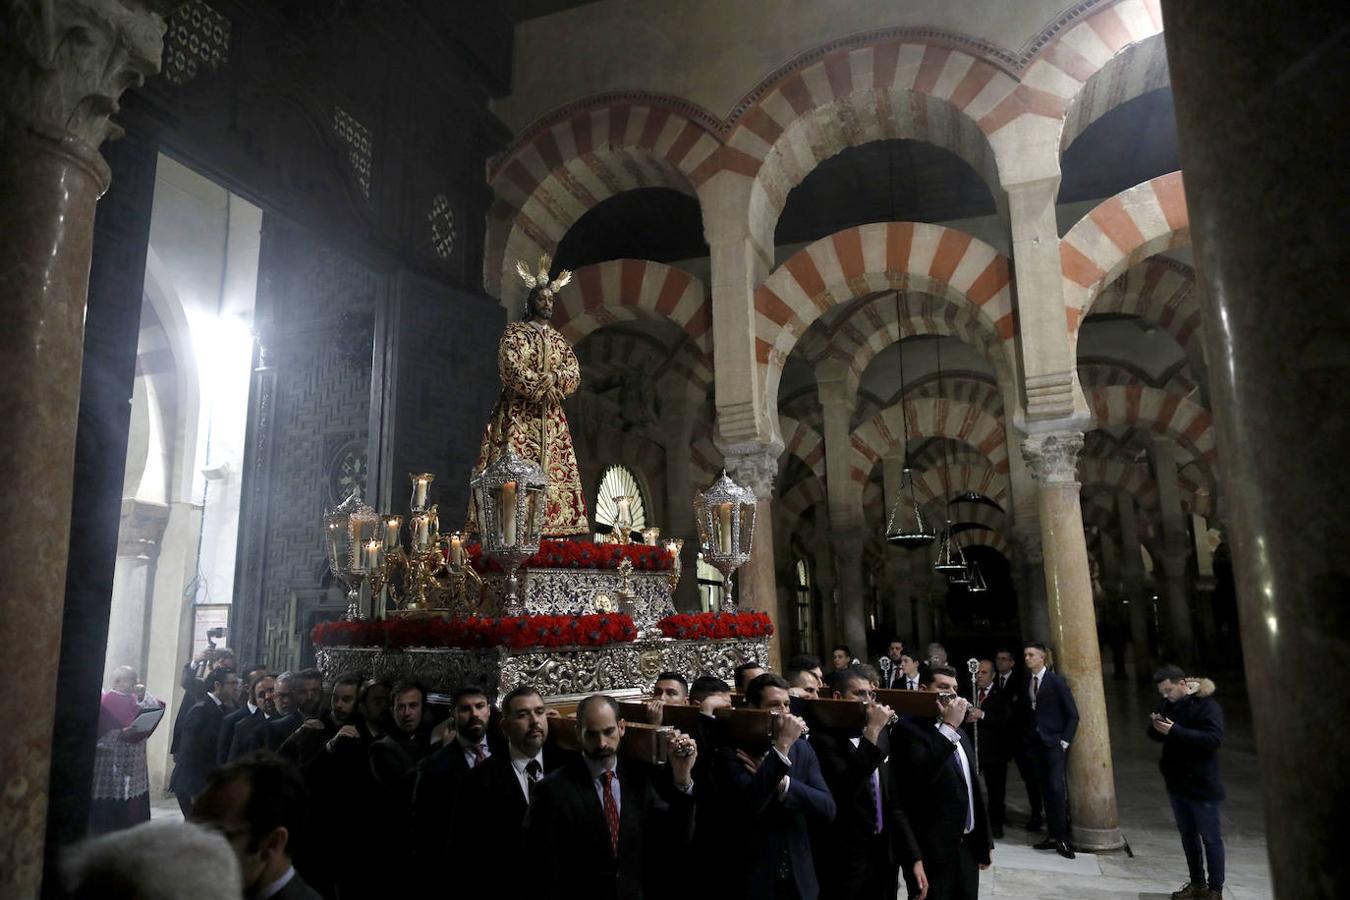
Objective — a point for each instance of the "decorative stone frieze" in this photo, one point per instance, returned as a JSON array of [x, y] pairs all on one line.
[[1052, 456]]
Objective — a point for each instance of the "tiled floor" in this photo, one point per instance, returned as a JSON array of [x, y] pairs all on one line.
[[1157, 867]]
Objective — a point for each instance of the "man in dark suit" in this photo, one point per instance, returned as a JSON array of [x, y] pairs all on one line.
[[438, 776], [776, 796], [861, 852], [196, 756], [1049, 722], [602, 821], [991, 721], [305, 689], [256, 707], [912, 677], [1011, 683], [934, 766], [259, 803], [488, 818], [891, 676]]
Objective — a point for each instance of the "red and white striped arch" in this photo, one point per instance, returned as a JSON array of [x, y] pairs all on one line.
[[1113, 474], [801, 496], [1136, 406], [567, 163], [621, 290], [1162, 291], [706, 459], [965, 387], [1119, 233], [959, 478], [950, 265], [884, 433], [803, 442], [896, 88]]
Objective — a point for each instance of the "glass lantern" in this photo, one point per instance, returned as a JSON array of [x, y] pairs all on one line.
[[347, 528], [511, 496], [725, 514]]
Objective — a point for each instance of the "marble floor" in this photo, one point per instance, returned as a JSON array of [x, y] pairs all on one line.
[[1157, 866]]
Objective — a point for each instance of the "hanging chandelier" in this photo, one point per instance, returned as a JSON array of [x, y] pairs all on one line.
[[906, 526], [976, 583], [950, 560]]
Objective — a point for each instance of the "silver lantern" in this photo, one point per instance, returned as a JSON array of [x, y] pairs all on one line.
[[725, 514], [348, 527], [511, 495]]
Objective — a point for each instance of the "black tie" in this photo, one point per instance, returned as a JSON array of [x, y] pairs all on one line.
[[531, 776]]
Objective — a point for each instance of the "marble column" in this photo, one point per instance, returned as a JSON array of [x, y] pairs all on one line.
[[1053, 458], [848, 550], [845, 497], [1034, 609], [1180, 637], [825, 581], [62, 69], [1132, 585], [757, 581], [1260, 104]]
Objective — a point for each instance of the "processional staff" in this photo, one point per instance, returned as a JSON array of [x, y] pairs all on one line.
[[973, 666]]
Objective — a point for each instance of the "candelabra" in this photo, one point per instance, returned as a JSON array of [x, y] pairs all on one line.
[[346, 527], [725, 514]]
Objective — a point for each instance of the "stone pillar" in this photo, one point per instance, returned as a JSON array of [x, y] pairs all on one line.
[[825, 581], [1180, 641], [680, 500], [756, 581], [1116, 617], [1053, 458], [902, 611], [62, 69], [848, 549], [1034, 610], [1268, 227], [845, 497], [133, 585], [1132, 585]]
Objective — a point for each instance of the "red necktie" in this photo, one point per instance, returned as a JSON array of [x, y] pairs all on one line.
[[984, 692], [611, 813], [478, 754]]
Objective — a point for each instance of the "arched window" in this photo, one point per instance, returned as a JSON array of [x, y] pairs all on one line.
[[709, 586], [616, 483]]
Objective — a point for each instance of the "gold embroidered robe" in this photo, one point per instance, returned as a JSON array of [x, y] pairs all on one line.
[[530, 405]]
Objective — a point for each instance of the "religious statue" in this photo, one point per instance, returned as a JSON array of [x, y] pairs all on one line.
[[538, 370]]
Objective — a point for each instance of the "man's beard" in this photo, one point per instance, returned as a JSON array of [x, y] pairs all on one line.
[[474, 730]]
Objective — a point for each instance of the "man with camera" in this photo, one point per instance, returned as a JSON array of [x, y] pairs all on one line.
[[1189, 725], [935, 768]]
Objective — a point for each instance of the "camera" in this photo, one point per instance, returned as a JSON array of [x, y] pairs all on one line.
[[213, 634]]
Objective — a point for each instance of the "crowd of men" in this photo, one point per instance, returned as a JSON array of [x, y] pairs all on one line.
[[367, 795]]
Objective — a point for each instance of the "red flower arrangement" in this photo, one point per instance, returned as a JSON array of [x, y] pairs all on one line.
[[516, 632], [582, 555], [716, 626]]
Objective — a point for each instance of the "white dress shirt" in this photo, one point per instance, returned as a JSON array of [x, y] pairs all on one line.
[[518, 763], [952, 735], [911, 683], [597, 769], [469, 756], [275, 887]]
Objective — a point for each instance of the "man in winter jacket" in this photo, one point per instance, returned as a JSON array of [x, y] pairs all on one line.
[[1189, 725]]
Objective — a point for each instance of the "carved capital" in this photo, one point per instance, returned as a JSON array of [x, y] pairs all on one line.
[[755, 467], [1052, 456], [65, 63]]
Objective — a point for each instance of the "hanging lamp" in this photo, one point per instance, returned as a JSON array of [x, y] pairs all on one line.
[[906, 526], [950, 560], [976, 584]]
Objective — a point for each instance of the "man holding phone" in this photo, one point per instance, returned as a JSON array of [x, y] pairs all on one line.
[[1189, 725]]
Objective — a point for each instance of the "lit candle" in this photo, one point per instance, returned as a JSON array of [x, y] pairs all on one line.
[[421, 525], [457, 549], [421, 482], [509, 512], [392, 525], [373, 548], [651, 535], [724, 526]]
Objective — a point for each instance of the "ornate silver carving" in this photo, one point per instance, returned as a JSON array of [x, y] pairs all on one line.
[[725, 516], [64, 65], [198, 37], [574, 592], [441, 218], [1052, 456], [359, 145], [563, 671]]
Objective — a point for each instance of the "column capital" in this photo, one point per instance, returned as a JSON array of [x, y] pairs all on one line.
[[1052, 456], [64, 66], [754, 466]]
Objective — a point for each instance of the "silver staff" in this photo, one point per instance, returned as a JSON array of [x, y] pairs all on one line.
[[973, 666], [884, 664]]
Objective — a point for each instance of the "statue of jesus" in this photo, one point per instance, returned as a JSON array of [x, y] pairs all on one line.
[[538, 370]]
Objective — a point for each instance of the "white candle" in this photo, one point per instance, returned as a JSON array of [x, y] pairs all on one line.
[[420, 484], [724, 526], [392, 525], [373, 548], [509, 512], [421, 532], [651, 536], [456, 549]]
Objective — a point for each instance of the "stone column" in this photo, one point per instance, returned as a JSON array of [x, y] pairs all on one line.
[[825, 581], [133, 585], [1268, 226], [62, 69], [845, 496], [1116, 616], [1181, 633], [756, 581], [1053, 458], [1034, 611], [902, 610], [680, 500], [1132, 585]]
